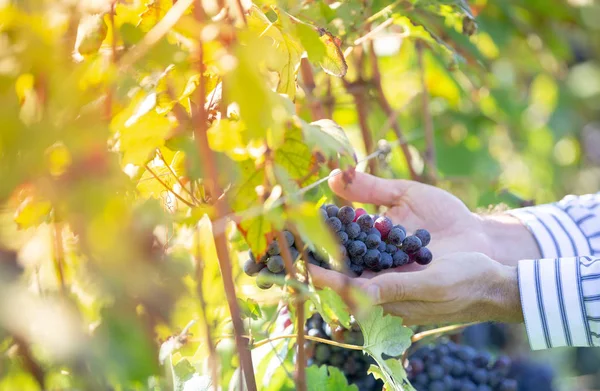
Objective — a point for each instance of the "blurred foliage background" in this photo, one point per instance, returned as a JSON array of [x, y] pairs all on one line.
[[106, 243]]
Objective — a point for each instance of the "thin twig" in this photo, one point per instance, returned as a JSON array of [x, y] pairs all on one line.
[[212, 353], [155, 35], [59, 257], [161, 156], [390, 113], [180, 198], [440, 330], [309, 337], [199, 119], [430, 156], [241, 12], [308, 80]]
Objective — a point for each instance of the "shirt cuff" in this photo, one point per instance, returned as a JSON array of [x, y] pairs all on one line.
[[555, 232], [552, 301]]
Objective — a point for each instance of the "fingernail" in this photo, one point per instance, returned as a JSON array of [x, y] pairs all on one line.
[[335, 172], [374, 293]]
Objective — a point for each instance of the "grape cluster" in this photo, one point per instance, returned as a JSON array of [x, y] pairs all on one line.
[[451, 367], [353, 363], [373, 242]]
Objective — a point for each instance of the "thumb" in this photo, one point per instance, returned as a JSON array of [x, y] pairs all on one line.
[[369, 189], [397, 287]]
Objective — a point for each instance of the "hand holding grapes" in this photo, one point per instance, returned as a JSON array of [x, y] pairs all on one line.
[[454, 227], [461, 287]]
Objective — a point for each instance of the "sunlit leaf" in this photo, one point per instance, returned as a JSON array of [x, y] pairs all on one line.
[[294, 155], [249, 308], [90, 34], [312, 227], [312, 43], [385, 335], [154, 12], [32, 212], [141, 135], [327, 378], [333, 62], [331, 307], [329, 138]]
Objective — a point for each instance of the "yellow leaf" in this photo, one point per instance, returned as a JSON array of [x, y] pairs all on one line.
[[139, 138], [90, 33], [32, 212]]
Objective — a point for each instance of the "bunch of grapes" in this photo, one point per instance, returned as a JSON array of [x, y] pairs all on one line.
[[353, 363], [451, 367], [373, 242]]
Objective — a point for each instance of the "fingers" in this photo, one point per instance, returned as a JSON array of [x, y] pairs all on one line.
[[331, 278], [394, 287], [370, 189]]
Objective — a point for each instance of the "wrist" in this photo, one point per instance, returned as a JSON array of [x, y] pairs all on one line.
[[507, 239], [505, 296]]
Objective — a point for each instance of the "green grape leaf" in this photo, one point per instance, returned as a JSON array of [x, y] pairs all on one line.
[[385, 334], [333, 63], [250, 309], [398, 373], [285, 59], [331, 307], [327, 378], [329, 138], [149, 187], [312, 43], [294, 155], [154, 12], [140, 136], [229, 137], [314, 230], [91, 32]]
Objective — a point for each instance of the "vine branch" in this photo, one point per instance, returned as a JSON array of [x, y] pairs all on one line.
[[430, 157], [199, 119], [309, 337], [309, 84], [440, 330], [161, 156]]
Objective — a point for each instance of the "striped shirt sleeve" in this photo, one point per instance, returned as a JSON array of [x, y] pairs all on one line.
[[560, 294]]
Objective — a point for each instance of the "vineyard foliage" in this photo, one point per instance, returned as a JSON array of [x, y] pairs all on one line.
[[147, 145]]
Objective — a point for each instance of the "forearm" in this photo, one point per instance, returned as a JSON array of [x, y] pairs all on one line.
[[508, 239]]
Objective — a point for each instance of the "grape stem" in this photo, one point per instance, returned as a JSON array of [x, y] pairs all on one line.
[[309, 337], [440, 330]]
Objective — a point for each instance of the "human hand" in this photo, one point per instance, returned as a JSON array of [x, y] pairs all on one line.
[[461, 287], [453, 227]]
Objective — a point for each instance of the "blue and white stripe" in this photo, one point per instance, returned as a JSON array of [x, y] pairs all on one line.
[[560, 294]]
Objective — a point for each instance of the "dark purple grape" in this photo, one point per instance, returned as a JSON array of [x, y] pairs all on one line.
[[264, 279], [294, 253], [275, 264], [400, 258], [332, 210], [495, 378], [458, 368], [353, 230], [372, 258], [362, 236], [437, 385], [447, 363], [480, 376], [468, 385], [423, 256], [396, 236], [356, 248], [365, 222], [383, 225], [411, 244], [337, 359], [372, 241], [502, 365], [322, 353], [312, 260], [421, 381], [346, 214], [417, 366], [424, 236], [323, 213], [334, 223], [374, 231], [273, 248], [382, 246], [386, 261], [390, 249], [342, 237], [251, 267], [508, 385], [466, 353], [358, 260], [289, 237], [484, 387], [435, 372], [357, 269], [482, 359], [448, 382], [359, 212]]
